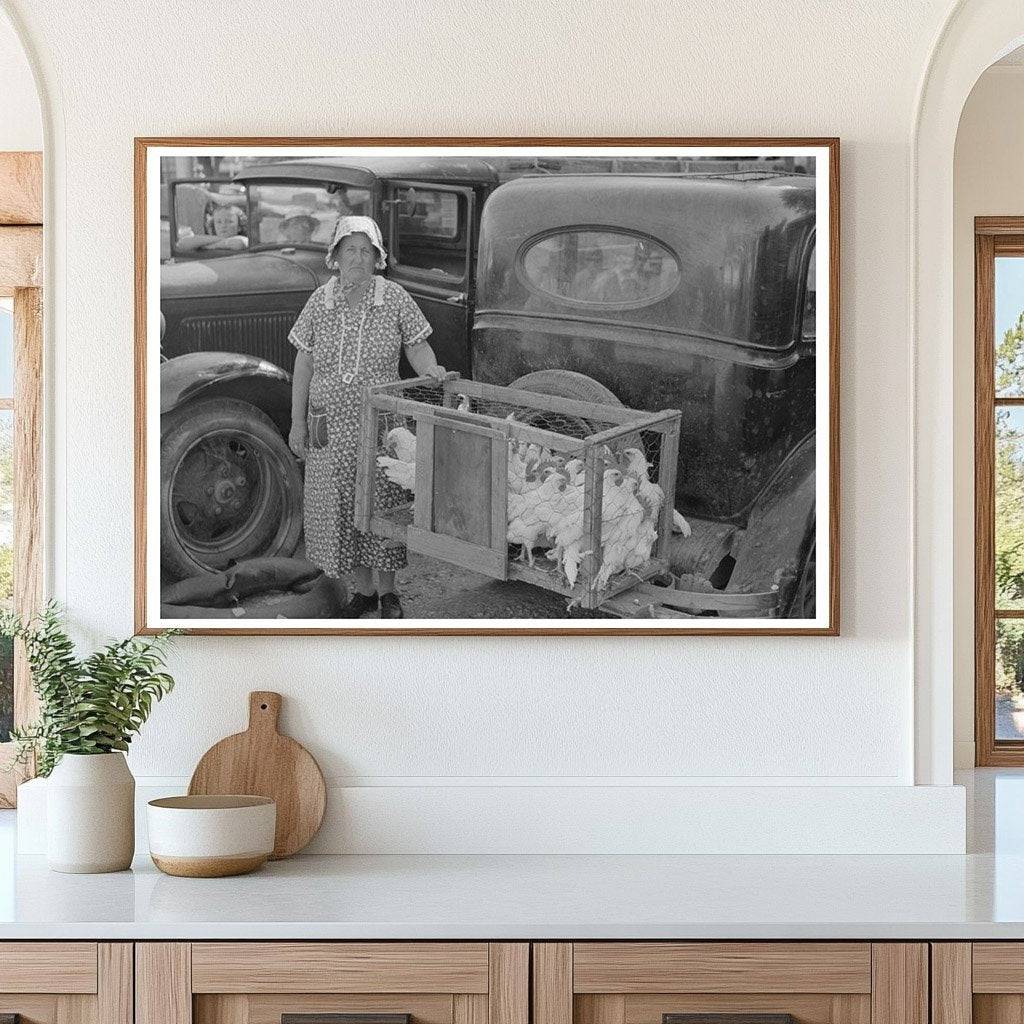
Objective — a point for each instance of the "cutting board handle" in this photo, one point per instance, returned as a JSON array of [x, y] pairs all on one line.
[[264, 710]]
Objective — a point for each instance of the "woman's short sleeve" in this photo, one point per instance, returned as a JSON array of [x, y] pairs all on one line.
[[412, 324], [301, 334]]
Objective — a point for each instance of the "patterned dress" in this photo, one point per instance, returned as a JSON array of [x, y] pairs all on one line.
[[351, 348]]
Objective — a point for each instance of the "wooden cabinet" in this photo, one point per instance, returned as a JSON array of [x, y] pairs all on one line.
[[259, 982], [66, 982], [647, 982], [494, 983], [980, 982]]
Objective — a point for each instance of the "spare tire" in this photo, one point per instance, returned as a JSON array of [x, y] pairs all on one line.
[[566, 384]]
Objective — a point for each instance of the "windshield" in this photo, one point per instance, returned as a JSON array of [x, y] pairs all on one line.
[[209, 217], [301, 215]]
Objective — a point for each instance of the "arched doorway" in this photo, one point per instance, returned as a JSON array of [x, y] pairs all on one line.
[[976, 33], [21, 188]]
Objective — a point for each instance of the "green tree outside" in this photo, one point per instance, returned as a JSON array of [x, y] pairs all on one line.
[[1009, 510]]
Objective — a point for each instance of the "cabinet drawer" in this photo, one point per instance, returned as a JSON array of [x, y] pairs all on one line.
[[262, 982], [48, 967], [339, 967], [630, 967], [66, 982], [735, 982], [981, 982]]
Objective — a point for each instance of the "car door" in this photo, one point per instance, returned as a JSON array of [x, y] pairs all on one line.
[[432, 246]]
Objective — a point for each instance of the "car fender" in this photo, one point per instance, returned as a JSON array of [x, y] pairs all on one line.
[[194, 375], [771, 551]]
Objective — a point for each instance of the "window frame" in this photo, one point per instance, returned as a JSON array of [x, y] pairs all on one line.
[[993, 237], [462, 246], [21, 260]]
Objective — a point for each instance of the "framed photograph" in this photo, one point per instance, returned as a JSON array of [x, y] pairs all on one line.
[[487, 386]]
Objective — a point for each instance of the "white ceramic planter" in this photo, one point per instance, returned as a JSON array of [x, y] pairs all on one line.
[[90, 814]]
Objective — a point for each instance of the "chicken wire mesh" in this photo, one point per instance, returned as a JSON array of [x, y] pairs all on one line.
[[570, 528]]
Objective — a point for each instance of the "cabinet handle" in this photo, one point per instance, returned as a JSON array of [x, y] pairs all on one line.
[[728, 1018], [338, 1018]]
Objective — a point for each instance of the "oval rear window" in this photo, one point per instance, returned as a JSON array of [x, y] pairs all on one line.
[[600, 268]]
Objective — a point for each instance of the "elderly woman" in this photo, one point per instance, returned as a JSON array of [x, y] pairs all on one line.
[[350, 335]]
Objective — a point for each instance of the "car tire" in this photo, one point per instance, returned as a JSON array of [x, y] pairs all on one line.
[[230, 488], [566, 384]]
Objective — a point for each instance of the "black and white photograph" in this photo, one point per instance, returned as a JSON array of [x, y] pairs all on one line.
[[457, 387]]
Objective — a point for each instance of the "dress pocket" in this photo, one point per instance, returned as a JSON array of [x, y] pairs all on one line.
[[318, 433]]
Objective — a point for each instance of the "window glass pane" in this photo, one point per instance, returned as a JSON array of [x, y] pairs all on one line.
[[210, 217], [6, 567], [430, 238], [601, 268], [300, 214], [6, 348], [1009, 326], [428, 213], [1009, 525], [1009, 679]]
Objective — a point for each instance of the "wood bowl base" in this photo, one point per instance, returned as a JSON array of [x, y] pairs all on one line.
[[209, 867]]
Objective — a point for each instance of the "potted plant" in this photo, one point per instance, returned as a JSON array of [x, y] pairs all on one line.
[[89, 709]]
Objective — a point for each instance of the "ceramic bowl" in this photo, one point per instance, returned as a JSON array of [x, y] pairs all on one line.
[[211, 836]]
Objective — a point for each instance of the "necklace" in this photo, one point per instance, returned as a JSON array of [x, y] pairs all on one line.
[[349, 376]]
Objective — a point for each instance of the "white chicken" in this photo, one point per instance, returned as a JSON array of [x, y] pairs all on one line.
[[402, 442], [528, 513], [400, 468], [622, 516], [565, 527], [650, 494]]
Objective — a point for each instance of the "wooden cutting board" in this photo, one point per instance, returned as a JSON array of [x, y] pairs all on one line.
[[262, 762]]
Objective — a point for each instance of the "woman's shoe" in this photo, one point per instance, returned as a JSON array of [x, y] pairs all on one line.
[[391, 607], [359, 605]]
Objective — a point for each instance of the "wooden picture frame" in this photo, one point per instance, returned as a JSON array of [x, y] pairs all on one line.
[[825, 539], [21, 263]]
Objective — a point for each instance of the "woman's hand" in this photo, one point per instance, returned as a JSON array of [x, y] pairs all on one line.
[[298, 440], [435, 372]]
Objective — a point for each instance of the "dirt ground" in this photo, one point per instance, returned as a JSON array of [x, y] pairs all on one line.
[[430, 589]]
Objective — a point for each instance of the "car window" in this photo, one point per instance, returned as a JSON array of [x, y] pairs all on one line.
[[299, 214], [209, 210], [600, 268], [428, 213], [432, 235], [808, 331]]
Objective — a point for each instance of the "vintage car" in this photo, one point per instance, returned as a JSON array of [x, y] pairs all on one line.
[[224, 492], [693, 292], [685, 292]]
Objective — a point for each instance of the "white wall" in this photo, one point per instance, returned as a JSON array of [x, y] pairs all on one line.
[[988, 181], [21, 124], [441, 714]]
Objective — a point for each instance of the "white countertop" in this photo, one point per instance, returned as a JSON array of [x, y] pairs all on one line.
[[532, 897], [977, 896]]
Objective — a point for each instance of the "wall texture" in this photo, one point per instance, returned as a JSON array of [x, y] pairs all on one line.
[[422, 722], [987, 182], [21, 123]]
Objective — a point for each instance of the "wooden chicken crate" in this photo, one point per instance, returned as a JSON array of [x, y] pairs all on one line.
[[460, 512]]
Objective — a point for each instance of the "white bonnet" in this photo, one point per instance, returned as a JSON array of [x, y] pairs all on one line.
[[348, 225]]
